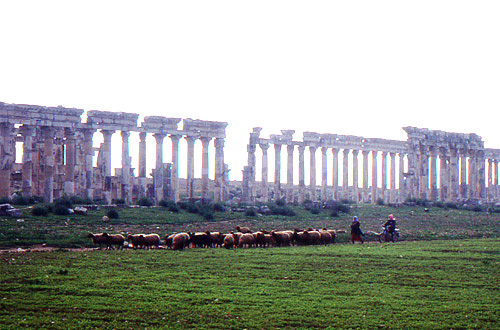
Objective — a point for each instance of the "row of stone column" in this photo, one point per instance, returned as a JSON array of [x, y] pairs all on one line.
[[420, 181], [77, 153], [367, 193]]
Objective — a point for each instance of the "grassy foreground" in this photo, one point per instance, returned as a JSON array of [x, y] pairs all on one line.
[[423, 285]]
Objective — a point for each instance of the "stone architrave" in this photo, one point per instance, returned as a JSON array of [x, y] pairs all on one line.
[[205, 141]]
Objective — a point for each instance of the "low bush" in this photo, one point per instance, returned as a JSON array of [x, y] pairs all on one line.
[[113, 214], [144, 201], [39, 211]]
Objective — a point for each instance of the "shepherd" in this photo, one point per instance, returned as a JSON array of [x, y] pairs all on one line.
[[356, 232]]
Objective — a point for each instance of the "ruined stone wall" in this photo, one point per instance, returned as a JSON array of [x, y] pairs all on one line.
[[462, 166], [58, 154]]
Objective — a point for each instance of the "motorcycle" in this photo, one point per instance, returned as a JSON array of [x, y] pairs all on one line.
[[385, 236]]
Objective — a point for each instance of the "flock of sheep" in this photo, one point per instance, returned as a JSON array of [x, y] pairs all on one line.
[[241, 238]]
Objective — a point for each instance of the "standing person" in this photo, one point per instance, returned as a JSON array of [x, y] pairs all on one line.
[[390, 226], [356, 232]]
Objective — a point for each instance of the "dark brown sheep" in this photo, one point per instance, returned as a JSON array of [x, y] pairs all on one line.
[[200, 239], [180, 241], [230, 240], [114, 239], [243, 230], [136, 241], [216, 239], [150, 240], [169, 240], [260, 239], [98, 239], [247, 240]]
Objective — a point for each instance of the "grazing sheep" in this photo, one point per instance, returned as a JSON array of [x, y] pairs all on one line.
[[269, 240], [136, 240], [169, 240], [230, 240], [180, 241], [98, 239], [216, 239], [246, 240], [260, 239], [200, 239], [282, 238], [114, 239], [150, 240], [243, 230]]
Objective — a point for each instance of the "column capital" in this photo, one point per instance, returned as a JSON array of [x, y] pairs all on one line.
[[264, 146], [355, 152], [219, 143]]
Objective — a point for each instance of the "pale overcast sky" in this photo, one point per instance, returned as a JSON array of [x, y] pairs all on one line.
[[364, 68]]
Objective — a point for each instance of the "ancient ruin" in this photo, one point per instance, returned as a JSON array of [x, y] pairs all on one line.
[[59, 158], [462, 158], [58, 155]]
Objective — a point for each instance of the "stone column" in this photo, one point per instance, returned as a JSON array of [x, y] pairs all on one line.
[[472, 187], [289, 174], [190, 166], [277, 171], [481, 175], [7, 154], [48, 134], [463, 174], [490, 180], [265, 172], [27, 185], [402, 184], [175, 166], [454, 174], [88, 151], [158, 177], [105, 153], [324, 178], [424, 172], [125, 177], [495, 180], [345, 174], [220, 186], [433, 173], [444, 174], [355, 185], [365, 175], [335, 173], [384, 176], [69, 168], [374, 176], [392, 197], [204, 167], [302, 185], [142, 154], [312, 182]]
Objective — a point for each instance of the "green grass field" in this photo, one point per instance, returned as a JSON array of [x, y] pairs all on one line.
[[443, 274], [409, 285]]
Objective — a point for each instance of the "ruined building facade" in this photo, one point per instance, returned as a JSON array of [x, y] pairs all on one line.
[[431, 165], [58, 155]]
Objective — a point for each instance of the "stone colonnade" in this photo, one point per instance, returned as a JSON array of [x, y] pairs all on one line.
[[58, 155], [411, 164]]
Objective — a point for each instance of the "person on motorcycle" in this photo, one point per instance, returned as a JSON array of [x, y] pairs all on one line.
[[356, 232], [390, 226]]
